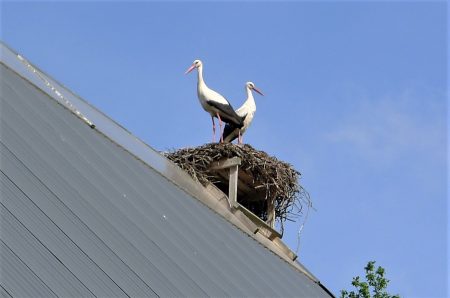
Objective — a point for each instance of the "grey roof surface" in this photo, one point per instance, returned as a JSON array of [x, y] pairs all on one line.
[[81, 216]]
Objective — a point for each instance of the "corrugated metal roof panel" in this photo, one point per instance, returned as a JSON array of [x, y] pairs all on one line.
[[18, 274], [109, 224]]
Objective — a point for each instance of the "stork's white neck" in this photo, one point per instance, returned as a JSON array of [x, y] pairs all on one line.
[[250, 100], [200, 75]]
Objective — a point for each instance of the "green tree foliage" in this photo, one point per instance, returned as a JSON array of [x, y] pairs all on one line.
[[374, 287]]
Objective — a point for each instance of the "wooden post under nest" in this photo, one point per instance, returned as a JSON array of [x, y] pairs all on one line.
[[233, 165], [271, 212]]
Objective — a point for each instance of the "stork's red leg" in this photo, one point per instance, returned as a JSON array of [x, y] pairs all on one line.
[[214, 130], [220, 126]]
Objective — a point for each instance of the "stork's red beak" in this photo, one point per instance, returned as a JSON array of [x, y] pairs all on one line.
[[257, 90], [190, 69]]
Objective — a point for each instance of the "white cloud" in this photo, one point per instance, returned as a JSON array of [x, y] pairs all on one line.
[[392, 126]]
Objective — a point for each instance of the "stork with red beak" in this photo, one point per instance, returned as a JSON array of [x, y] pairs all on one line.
[[247, 111], [214, 103]]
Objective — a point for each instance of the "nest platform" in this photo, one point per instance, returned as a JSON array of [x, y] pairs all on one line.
[[265, 184]]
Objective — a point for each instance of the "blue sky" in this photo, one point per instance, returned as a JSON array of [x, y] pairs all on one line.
[[356, 100]]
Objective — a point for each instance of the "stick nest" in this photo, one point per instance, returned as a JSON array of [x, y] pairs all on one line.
[[278, 180]]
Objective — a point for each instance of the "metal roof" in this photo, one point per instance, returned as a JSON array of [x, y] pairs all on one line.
[[96, 212]]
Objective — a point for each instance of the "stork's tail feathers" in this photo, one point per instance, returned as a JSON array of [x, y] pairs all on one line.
[[234, 120], [230, 133], [240, 122]]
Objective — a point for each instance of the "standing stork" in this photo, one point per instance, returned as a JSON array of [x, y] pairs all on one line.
[[214, 103], [247, 111]]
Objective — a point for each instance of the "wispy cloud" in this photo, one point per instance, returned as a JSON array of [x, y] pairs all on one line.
[[391, 126]]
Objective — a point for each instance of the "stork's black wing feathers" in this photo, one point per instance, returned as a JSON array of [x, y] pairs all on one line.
[[227, 114], [229, 130]]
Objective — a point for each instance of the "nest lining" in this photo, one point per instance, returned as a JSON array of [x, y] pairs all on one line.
[[278, 180]]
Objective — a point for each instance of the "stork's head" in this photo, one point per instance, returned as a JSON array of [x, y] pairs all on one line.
[[251, 86], [196, 64]]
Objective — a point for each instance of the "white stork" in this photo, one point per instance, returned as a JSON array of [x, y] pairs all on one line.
[[214, 103], [247, 110]]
